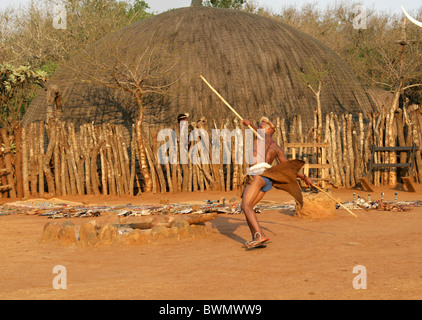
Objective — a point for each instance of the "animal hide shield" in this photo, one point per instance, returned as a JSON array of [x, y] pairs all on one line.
[[284, 177]]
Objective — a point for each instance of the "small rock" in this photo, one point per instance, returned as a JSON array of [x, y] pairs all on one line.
[[68, 223], [66, 234], [181, 228], [136, 237], [107, 234], [160, 231], [137, 222], [181, 224], [51, 231], [87, 234]]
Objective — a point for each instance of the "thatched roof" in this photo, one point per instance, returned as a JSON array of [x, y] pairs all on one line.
[[253, 61], [381, 98]]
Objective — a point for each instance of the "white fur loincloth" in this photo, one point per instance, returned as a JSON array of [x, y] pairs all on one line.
[[258, 169]]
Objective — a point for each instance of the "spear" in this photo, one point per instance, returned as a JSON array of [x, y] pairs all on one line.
[[228, 105], [332, 198]]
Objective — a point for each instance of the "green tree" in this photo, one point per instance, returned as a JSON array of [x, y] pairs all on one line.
[[17, 89], [231, 4], [137, 10]]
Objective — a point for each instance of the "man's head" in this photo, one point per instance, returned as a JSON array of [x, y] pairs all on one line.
[[182, 117], [267, 125], [201, 122]]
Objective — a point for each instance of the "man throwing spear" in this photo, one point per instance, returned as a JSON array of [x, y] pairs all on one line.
[[282, 176], [263, 176]]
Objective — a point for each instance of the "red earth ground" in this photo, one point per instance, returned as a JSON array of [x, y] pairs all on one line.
[[307, 259]]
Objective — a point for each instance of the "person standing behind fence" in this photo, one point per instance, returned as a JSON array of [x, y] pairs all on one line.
[[183, 126]]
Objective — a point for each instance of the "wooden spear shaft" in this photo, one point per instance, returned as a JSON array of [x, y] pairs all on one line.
[[328, 195], [228, 105]]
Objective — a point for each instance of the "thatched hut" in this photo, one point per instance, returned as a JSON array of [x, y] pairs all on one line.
[[381, 98], [253, 61]]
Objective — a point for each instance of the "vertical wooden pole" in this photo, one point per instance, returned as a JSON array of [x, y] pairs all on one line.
[[221, 164], [57, 161], [64, 175], [416, 118], [335, 151], [214, 164], [8, 162], [153, 167], [328, 150], [142, 157], [103, 163], [41, 159], [32, 159], [346, 159], [18, 161], [132, 163], [158, 171], [46, 162], [350, 148], [25, 178], [361, 143]]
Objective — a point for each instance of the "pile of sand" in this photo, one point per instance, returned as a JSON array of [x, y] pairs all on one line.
[[316, 206]]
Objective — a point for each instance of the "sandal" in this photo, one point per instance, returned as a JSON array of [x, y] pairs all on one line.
[[255, 243]]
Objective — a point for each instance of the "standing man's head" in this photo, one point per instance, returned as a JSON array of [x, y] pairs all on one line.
[[182, 117], [267, 125]]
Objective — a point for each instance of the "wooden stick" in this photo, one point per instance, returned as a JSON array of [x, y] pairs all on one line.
[[18, 162], [328, 195], [56, 159], [41, 159], [8, 162], [230, 107]]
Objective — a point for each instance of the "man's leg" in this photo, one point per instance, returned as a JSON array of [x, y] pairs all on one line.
[[250, 195], [258, 198]]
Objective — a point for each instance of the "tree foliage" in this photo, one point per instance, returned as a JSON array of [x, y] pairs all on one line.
[[29, 37], [373, 52], [17, 88], [231, 4]]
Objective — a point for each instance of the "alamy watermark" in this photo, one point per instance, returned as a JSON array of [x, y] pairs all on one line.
[[60, 281], [59, 17], [359, 21], [359, 282], [195, 146]]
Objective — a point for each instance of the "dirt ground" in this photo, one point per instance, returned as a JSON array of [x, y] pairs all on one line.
[[307, 259]]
